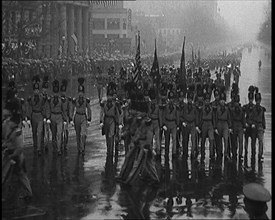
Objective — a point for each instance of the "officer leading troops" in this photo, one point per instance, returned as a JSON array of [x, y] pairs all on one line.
[[82, 114], [36, 114], [155, 114], [207, 123], [190, 126], [258, 120], [223, 126], [55, 117], [67, 105], [170, 124], [250, 130], [109, 119]]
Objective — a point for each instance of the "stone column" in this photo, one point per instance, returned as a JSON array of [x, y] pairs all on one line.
[[85, 28], [64, 29], [79, 28], [70, 29]]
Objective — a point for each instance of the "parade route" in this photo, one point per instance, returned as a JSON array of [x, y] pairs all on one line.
[[75, 187]]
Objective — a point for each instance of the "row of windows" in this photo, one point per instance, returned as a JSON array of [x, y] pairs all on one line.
[[112, 23], [113, 36]]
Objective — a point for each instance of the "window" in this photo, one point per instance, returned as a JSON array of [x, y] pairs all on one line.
[[98, 23], [113, 36], [124, 23], [113, 23]]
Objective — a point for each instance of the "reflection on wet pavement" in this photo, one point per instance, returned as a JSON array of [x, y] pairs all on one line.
[[76, 187]]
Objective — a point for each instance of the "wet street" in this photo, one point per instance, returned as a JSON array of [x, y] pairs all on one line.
[[75, 187]]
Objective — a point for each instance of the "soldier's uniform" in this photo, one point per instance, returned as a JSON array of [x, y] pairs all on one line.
[[238, 126], [36, 114], [258, 120], [67, 105], [170, 124], [250, 128], [154, 114], [207, 123], [83, 114], [237, 74], [55, 116], [109, 119], [163, 102], [46, 127], [219, 82], [214, 104], [190, 122], [223, 125]]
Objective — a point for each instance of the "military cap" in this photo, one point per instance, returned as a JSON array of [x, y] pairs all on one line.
[[251, 90], [55, 86], [258, 96], [81, 86], [256, 192], [63, 86], [45, 84]]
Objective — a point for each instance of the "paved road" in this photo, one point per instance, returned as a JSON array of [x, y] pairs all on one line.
[[73, 187]]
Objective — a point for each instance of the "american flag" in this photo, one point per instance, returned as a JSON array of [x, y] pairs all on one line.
[[136, 74], [105, 3]]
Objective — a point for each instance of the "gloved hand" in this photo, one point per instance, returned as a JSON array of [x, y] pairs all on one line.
[[44, 119], [246, 125], [178, 128], [48, 121], [64, 122], [29, 123], [101, 125], [120, 126], [164, 128], [230, 130], [198, 130], [72, 123], [244, 129], [253, 126], [184, 124], [216, 131]]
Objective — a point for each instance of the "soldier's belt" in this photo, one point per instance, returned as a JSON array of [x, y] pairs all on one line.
[[222, 120], [56, 113], [190, 121], [78, 113], [207, 119]]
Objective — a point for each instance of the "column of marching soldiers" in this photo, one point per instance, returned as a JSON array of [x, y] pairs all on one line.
[[177, 110]]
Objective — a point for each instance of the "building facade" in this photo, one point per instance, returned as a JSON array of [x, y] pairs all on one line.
[[64, 27], [111, 28]]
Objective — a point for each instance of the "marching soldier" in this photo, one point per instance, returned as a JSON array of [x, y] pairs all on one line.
[[154, 114], [207, 123], [237, 74], [109, 119], [238, 126], [258, 120], [163, 102], [35, 113], [219, 82], [190, 125], [46, 127], [214, 105], [250, 130], [170, 124], [223, 127], [82, 113], [55, 117], [66, 102]]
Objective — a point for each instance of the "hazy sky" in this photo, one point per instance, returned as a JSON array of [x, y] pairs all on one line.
[[245, 15]]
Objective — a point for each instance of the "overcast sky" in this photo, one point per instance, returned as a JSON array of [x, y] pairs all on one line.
[[245, 15]]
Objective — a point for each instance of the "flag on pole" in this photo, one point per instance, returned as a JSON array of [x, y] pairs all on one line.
[[182, 63], [136, 75], [155, 67]]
